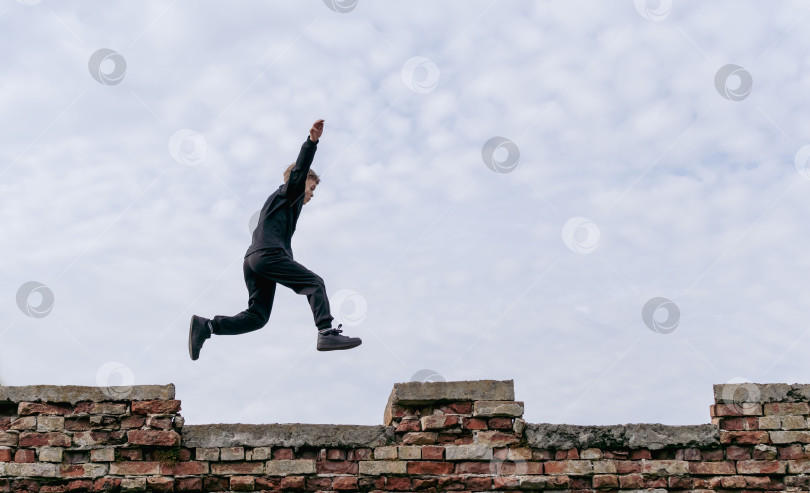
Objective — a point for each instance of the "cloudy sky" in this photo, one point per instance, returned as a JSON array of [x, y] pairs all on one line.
[[603, 201]]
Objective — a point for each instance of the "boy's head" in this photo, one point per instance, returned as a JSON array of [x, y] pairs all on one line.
[[312, 181]]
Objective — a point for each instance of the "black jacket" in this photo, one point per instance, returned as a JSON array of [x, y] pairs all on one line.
[[280, 212]]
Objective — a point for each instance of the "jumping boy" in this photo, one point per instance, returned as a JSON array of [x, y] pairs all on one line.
[[269, 260]]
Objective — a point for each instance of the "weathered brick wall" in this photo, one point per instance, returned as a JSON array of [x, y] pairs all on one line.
[[435, 436]]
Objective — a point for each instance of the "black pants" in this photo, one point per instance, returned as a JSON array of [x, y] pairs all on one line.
[[263, 270]]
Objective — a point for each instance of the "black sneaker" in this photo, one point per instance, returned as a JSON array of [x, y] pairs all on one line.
[[330, 340], [198, 332]]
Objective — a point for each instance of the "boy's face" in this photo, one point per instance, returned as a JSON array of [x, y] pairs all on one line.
[[309, 190]]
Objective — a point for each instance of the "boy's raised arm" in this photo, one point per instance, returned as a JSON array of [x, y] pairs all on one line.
[[294, 188]]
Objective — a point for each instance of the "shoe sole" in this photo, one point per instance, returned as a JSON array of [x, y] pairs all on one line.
[[191, 339], [339, 348]]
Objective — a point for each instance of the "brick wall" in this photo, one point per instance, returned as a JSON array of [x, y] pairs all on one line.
[[435, 436]]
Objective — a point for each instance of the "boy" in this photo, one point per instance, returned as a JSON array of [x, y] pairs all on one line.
[[269, 260]]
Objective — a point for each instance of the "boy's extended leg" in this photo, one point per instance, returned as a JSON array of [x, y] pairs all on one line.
[[261, 290], [289, 273]]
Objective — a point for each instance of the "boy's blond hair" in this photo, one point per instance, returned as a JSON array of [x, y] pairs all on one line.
[[311, 174]]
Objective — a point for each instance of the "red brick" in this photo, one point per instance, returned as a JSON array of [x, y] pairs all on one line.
[[478, 483], [631, 482], [473, 423], [335, 454], [786, 408], [760, 467], [155, 407], [744, 437], [100, 408], [130, 454], [627, 467], [717, 410], [430, 467], [189, 484], [504, 483], [567, 454], [160, 484], [439, 421], [160, 423], [242, 483], [283, 453], [680, 483], [500, 423], [336, 467], [77, 424], [738, 453], [360, 454], [318, 483], [262, 484], [712, 455], [763, 483], [419, 438], [106, 484], [5, 455], [131, 422], [29, 408], [605, 481], [153, 437], [409, 425], [432, 452], [224, 468], [397, 483], [25, 455], [292, 483], [791, 452], [344, 483], [541, 454], [640, 454], [5, 423], [52, 439], [185, 454], [473, 467], [187, 468], [134, 468], [71, 470], [713, 468], [653, 482], [457, 408], [735, 482], [687, 454]]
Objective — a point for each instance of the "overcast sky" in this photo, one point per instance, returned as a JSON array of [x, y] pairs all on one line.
[[505, 187]]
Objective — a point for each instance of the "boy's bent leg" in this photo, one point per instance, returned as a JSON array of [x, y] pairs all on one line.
[[262, 291], [287, 272]]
